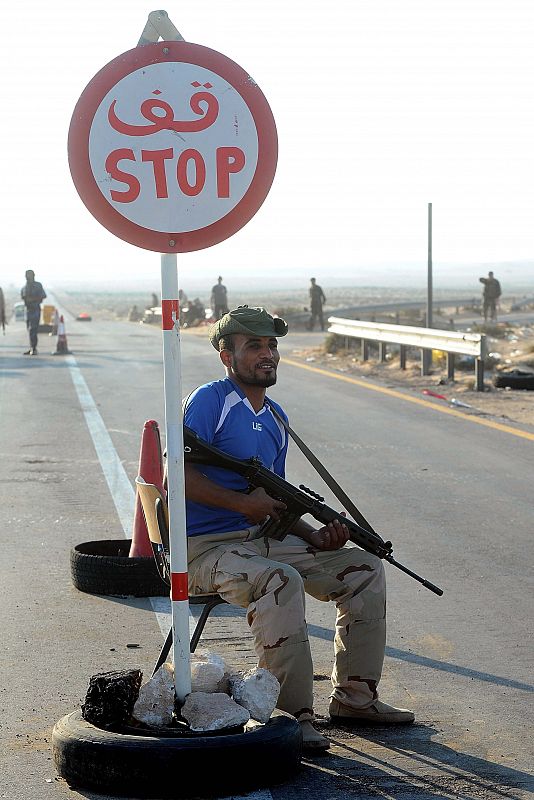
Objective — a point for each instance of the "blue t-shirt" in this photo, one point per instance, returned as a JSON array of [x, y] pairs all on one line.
[[220, 413]]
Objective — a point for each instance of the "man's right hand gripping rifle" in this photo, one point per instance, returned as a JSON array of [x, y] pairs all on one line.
[[258, 507]]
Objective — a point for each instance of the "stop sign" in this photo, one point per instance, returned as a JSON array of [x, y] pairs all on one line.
[[172, 147]]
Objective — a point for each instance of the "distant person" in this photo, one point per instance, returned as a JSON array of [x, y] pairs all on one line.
[[219, 299], [183, 304], [491, 293], [317, 299], [193, 314], [33, 295], [134, 315], [2, 311]]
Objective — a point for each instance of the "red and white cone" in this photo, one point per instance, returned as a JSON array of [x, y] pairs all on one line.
[[151, 470], [62, 348]]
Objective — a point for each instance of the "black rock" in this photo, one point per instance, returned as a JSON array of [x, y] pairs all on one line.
[[111, 697]]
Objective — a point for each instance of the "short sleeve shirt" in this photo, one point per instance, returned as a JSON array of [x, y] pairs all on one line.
[[33, 300], [221, 414], [219, 293]]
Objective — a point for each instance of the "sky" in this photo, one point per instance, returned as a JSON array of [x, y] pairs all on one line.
[[381, 107]]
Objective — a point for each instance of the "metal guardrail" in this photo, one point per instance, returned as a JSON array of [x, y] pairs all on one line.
[[449, 342], [411, 305]]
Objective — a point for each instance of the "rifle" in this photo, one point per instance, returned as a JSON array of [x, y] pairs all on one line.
[[298, 501]]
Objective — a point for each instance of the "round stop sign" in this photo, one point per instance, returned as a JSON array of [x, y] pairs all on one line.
[[172, 147]]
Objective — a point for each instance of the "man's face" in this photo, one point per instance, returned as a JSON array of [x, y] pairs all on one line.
[[253, 361]]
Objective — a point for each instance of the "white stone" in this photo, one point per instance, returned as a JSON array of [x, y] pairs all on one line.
[[155, 703], [212, 711], [209, 673], [257, 691]]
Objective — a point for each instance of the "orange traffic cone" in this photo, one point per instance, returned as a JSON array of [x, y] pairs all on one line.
[[151, 470], [62, 348]]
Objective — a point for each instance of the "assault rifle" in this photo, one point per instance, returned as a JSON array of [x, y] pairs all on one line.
[[298, 501]]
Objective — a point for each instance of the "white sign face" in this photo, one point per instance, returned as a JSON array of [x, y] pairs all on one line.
[[172, 147], [167, 154]]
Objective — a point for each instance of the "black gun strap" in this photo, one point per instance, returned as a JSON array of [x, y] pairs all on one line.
[[331, 482]]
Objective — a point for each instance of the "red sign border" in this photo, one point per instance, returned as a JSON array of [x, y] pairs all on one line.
[[78, 147]]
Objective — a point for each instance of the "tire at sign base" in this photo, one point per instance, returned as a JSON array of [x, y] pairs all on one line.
[[172, 766], [103, 567]]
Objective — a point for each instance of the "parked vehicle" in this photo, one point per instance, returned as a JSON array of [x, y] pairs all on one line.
[[152, 316], [19, 310]]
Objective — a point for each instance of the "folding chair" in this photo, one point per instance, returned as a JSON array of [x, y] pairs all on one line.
[[156, 514]]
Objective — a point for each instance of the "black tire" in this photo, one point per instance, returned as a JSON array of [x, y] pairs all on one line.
[[128, 764], [103, 567], [515, 379]]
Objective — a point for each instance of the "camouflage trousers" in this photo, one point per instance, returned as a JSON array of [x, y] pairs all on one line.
[[270, 579]]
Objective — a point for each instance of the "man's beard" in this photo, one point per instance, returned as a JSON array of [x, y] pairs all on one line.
[[253, 379]]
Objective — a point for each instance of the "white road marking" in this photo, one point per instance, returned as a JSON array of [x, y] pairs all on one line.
[[116, 478], [118, 482]]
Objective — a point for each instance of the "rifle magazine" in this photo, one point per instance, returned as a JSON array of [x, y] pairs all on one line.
[[279, 528]]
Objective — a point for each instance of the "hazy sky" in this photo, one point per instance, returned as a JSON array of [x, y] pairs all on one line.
[[382, 106]]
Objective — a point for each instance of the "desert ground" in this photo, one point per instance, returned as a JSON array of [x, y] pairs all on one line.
[[504, 404]]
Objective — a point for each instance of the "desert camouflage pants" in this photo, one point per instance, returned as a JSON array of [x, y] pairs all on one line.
[[269, 579]]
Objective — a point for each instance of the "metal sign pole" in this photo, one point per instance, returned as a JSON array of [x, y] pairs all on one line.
[[159, 25], [172, 374]]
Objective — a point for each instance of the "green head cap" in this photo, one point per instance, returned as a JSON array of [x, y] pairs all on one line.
[[250, 322]]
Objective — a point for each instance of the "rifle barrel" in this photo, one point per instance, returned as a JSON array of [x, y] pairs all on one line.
[[426, 584], [199, 452]]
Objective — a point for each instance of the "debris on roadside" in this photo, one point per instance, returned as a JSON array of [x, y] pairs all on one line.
[[111, 697], [502, 402], [454, 402], [517, 378]]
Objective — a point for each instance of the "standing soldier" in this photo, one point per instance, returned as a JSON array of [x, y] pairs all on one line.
[[33, 294], [492, 292], [219, 299], [317, 299]]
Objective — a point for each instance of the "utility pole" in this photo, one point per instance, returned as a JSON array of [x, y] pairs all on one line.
[[426, 355], [429, 279]]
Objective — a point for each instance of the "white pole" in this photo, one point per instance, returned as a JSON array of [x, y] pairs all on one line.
[[172, 373]]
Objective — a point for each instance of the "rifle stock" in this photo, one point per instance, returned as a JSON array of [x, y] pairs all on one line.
[[298, 501]]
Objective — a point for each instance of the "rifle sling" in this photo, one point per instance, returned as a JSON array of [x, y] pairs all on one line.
[[331, 482]]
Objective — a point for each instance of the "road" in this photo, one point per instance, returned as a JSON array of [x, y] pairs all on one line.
[[454, 496]]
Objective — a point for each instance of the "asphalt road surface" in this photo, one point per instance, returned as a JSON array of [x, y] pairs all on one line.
[[455, 496]]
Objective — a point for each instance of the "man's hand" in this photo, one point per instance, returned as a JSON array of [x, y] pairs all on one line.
[[332, 537], [256, 506], [259, 505]]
